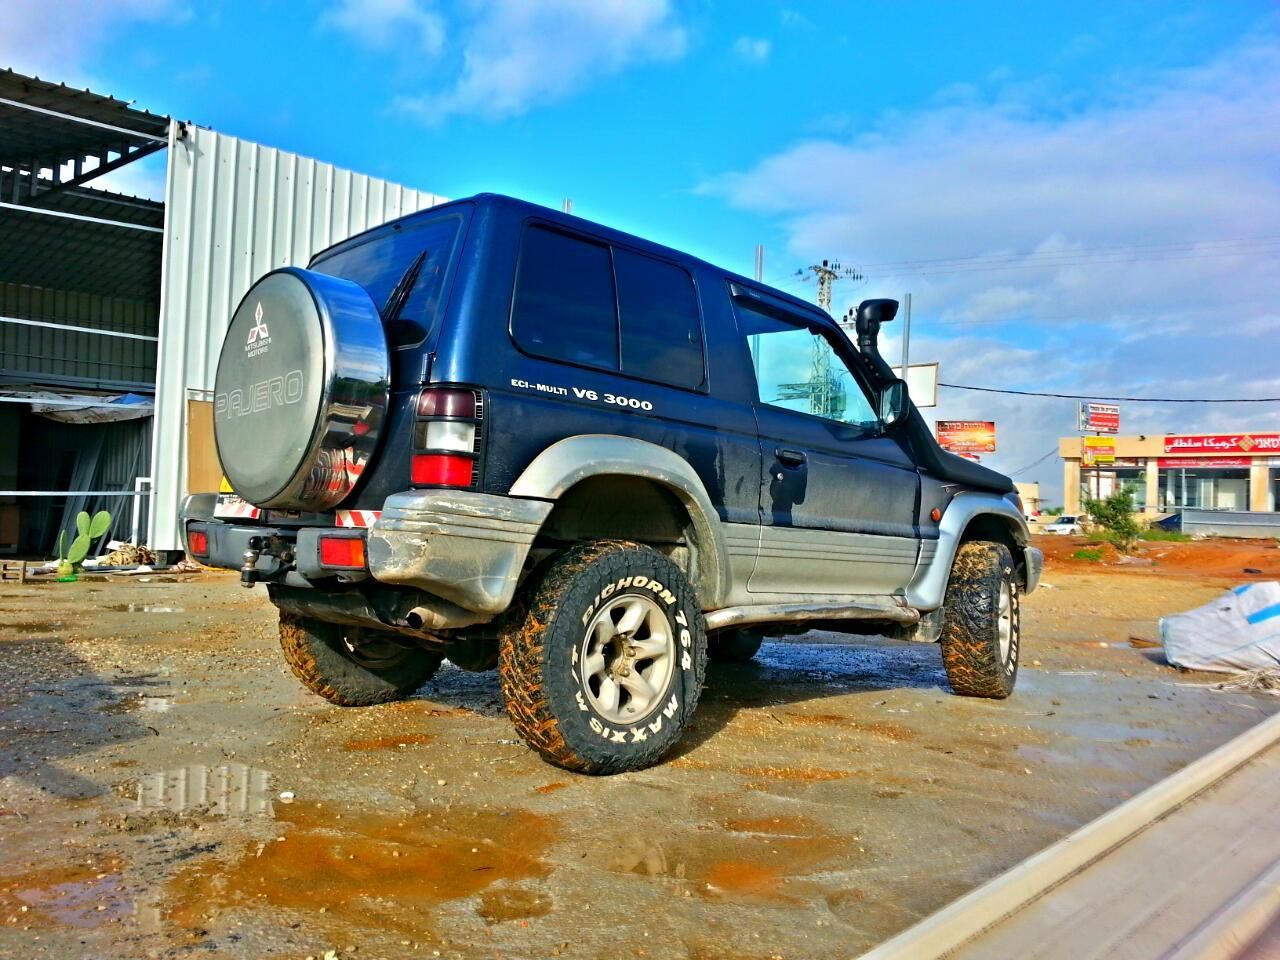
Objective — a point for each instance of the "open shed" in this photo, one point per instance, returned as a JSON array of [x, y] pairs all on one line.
[[113, 308]]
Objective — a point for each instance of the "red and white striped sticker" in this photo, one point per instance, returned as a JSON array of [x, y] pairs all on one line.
[[231, 507], [358, 518]]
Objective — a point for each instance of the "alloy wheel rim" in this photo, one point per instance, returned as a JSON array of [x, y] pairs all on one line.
[[626, 658], [1005, 621]]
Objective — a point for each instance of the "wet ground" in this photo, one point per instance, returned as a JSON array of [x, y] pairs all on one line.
[[168, 790]]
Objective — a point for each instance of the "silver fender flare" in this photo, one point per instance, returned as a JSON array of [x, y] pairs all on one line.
[[929, 585], [574, 459]]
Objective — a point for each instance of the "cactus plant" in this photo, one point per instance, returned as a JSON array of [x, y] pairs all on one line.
[[88, 529]]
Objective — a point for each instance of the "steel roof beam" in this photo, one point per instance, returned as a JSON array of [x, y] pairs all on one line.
[[91, 123]]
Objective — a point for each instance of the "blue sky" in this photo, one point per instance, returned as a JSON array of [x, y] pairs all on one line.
[[1114, 164]]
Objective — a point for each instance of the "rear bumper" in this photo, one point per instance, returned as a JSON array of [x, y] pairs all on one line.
[[466, 548], [1033, 567]]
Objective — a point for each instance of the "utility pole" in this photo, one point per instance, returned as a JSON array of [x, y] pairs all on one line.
[[755, 339], [828, 272], [823, 391], [906, 336]]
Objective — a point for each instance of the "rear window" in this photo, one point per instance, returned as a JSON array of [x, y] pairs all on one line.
[[600, 306], [378, 263]]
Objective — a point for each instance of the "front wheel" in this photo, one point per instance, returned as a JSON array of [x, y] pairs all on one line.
[[602, 659], [982, 621], [350, 666]]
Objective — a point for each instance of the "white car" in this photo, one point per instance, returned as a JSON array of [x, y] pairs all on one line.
[[1064, 526]]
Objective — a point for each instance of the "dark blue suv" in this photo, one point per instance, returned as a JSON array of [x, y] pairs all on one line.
[[500, 434]]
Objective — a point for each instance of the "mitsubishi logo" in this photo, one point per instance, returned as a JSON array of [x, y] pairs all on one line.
[[259, 329]]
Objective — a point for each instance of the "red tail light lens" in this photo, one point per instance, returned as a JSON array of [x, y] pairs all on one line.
[[447, 402], [198, 542], [442, 469], [447, 438], [345, 552]]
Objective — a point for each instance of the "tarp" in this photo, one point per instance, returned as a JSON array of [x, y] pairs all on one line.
[[84, 408], [1237, 633]]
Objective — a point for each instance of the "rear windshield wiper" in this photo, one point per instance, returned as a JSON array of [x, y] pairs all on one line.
[[399, 294]]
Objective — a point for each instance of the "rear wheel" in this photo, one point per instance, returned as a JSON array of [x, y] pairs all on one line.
[[733, 646], [982, 622], [350, 666], [603, 658]]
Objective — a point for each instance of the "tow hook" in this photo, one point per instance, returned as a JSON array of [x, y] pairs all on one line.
[[272, 546]]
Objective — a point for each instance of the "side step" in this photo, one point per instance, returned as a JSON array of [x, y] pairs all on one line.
[[869, 609]]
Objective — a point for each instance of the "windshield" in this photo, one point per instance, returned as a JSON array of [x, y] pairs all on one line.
[[378, 263]]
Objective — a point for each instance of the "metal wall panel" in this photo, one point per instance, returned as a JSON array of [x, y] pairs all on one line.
[[234, 211], [49, 355]]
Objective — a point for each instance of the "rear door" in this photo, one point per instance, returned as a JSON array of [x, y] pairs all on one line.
[[838, 495]]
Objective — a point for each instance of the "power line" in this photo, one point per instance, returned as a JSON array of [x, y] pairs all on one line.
[[1035, 463], [1093, 396], [1041, 256]]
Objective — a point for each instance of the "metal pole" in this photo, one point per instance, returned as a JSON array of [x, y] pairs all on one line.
[[906, 337], [567, 205], [755, 339]]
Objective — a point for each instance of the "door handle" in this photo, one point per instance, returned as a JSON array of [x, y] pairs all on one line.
[[791, 458]]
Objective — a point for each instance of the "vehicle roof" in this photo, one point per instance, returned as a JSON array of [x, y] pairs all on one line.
[[586, 226]]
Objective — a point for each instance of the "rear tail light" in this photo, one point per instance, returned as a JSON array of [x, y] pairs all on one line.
[[198, 542], [345, 552], [447, 438]]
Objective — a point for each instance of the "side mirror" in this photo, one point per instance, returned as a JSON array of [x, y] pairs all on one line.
[[893, 402]]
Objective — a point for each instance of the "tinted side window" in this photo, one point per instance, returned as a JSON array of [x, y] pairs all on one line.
[[564, 307], [661, 328], [797, 369]]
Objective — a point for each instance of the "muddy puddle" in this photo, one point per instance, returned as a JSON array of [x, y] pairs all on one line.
[[143, 608], [357, 869], [80, 896], [228, 790]]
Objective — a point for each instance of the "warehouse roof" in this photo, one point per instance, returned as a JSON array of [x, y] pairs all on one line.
[[55, 231], [53, 124]]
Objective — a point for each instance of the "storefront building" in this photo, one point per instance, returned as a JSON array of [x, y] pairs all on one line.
[[1219, 471]]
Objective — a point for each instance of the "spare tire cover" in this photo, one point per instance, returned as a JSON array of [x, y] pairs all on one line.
[[301, 390]]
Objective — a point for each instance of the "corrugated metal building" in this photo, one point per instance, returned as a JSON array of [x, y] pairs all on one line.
[[102, 294]]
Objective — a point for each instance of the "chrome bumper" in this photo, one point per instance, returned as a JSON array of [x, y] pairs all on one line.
[[1034, 567]]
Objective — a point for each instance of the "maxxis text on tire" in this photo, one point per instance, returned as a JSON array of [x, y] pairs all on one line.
[[981, 631], [579, 640], [377, 672], [734, 646]]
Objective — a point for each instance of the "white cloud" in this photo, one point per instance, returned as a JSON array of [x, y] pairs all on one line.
[[517, 54], [52, 40], [1129, 246], [752, 49], [390, 24]]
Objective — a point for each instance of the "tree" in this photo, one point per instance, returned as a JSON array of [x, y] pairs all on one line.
[[1115, 515]]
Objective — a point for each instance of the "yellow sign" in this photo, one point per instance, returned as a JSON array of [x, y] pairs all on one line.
[[1098, 450]]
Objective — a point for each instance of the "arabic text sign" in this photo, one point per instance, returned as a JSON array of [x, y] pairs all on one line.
[[967, 436], [1223, 443], [1099, 417], [1098, 450], [1189, 463]]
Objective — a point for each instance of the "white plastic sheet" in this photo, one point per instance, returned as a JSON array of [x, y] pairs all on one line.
[[1237, 633]]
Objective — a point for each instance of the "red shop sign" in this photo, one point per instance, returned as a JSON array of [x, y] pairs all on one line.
[[1223, 443]]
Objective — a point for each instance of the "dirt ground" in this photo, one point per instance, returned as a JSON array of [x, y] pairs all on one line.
[[167, 789]]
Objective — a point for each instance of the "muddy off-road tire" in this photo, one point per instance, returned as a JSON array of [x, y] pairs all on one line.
[[323, 656], [603, 657], [733, 646], [980, 634]]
